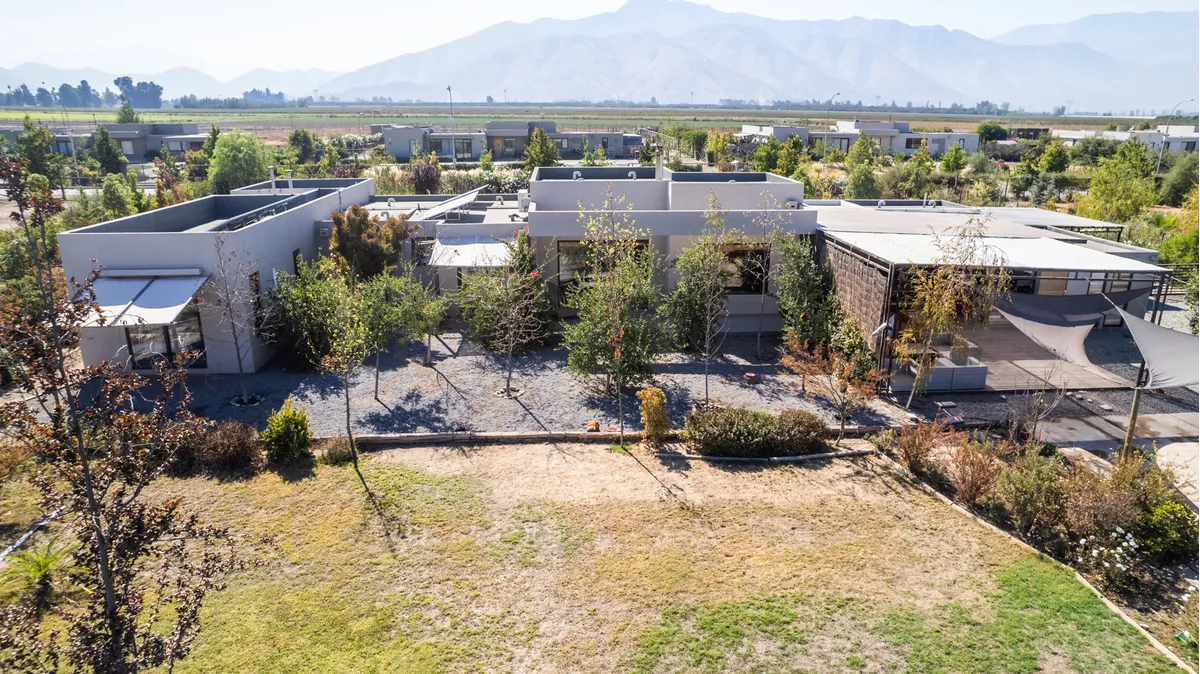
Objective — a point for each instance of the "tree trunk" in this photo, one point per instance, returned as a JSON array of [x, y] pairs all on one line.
[[508, 376], [377, 375], [237, 346], [921, 367], [349, 432], [620, 407], [841, 429], [762, 308], [428, 349]]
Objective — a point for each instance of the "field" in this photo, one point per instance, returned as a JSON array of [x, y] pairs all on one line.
[[573, 558], [275, 123]]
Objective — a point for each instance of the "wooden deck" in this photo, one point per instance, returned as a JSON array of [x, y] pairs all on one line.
[[1015, 363]]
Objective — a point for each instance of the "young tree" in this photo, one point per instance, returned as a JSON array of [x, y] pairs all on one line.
[[540, 150], [1055, 158], [954, 161], [916, 173], [1181, 179], [807, 302], [115, 197], [989, 132], [305, 144], [364, 246], [145, 566], [350, 341], [617, 333], [1120, 189], [34, 145], [766, 155], [767, 225], [486, 163], [210, 143], [384, 313], [863, 151], [834, 377], [508, 308], [126, 114], [106, 151], [696, 308], [950, 295], [862, 184], [594, 157], [236, 305], [239, 159]]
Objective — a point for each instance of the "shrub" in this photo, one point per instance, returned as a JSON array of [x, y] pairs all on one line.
[[1096, 504], [883, 441], [739, 432], [655, 423], [1168, 531], [914, 445], [1110, 557], [974, 468], [1031, 493], [335, 452], [286, 435], [229, 446]]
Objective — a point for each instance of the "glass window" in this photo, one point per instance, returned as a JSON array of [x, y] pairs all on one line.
[[510, 147], [152, 344], [414, 147], [435, 145], [127, 147], [748, 265], [1052, 283], [562, 143], [912, 143], [174, 146], [188, 337], [573, 263], [148, 345], [462, 148]]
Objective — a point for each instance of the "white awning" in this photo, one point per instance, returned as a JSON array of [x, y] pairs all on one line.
[[469, 251], [114, 295], [162, 301]]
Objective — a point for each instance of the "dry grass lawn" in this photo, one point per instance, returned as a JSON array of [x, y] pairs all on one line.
[[572, 558]]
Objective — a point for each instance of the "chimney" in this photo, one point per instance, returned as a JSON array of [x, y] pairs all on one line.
[[658, 166], [289, 177], [272, 169]]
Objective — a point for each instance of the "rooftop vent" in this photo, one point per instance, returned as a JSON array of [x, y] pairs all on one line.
[[576, 175], [633, 175]]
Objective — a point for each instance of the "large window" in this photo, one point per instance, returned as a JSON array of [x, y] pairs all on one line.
[[510, 147], [573, 268], [1052, 283], [435, 145], [127, 147], [748, 266], [462, 148], [562, 144], [912, 143], [174, 146], [152, 344]]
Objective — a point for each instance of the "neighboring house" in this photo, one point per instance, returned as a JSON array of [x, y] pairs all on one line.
[[895, 137], [754, 133], [505, 140], [64, 141], [143, 140], [1028, 132], [1171, 138], [154, 270]]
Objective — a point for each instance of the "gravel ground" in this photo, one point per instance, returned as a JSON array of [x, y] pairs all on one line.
[[458, 393]]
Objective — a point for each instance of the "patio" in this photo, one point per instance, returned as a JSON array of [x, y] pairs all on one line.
[[1015, 362]]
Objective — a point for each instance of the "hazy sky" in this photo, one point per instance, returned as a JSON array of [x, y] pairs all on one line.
[[228, 37]]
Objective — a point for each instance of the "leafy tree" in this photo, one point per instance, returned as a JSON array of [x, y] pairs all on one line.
[[914, 177], [1121, 188], [68, 96], [239, 159], [593, 157], [210, 143], [788, 160], [766, 155], [862, 152], [1090, 150], [1136, 154], [1182, 179], [34, 146], [540, 150], [426, 173], [645, 155], [392, 310], [989, 132], [364, 246], [1055, 158], [508, 308], [107, 152], [345, 320], [861, 183], [485, 161], [696, 308], [617, 334], [126, 114], [115, 197], [145, 567], [804, 290], [946, 297], [954, 160], [305, 144], [45, 98], [717, 146]]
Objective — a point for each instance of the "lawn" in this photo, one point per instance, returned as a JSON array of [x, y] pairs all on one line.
[[566, 558]]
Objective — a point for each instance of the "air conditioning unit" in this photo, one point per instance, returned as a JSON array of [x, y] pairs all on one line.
[[324, 232], [522, 200]]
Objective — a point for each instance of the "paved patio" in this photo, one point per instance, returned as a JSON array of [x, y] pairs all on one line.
[[1015, 363]]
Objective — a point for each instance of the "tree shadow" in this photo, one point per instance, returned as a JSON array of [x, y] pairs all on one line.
[[419, 413], [295, 470]]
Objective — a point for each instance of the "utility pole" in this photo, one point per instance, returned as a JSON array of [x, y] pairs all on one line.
[[1162, 142], [506, 96], [825, 143], [453, 142]]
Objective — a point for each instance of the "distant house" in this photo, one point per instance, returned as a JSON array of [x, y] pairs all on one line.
[[1028, 132], [506, 141], [138, 142], [891, 137], [1170, 138]]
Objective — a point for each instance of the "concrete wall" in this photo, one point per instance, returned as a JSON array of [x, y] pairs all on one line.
[[566, 195], [396, 140], [733, 195]]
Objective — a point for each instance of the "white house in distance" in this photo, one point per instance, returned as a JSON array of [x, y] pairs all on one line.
[[891, 137], [1172, 138]]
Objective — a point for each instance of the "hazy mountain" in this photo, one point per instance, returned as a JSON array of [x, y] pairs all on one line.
[[675, 50], [175, 82], [1153, 37]]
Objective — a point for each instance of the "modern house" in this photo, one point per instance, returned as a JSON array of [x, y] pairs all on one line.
[[506, 141], [1170, 138], [137, 142], [64, 141], [891, 137], [154, 270]]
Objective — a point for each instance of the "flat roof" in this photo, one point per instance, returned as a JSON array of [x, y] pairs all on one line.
[[917, 220], [1019, 253]]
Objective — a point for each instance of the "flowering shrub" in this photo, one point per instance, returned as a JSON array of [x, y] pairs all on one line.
[[1111, 557], [1168, 531]]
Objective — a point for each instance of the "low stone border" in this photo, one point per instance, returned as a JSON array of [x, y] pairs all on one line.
[[767, 459], [476, 437], [891, 464]]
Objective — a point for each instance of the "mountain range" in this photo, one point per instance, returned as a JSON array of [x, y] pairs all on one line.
[[678, 52]]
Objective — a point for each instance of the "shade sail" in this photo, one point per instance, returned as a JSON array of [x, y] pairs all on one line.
[[162, 301], [470, 251], [1172, 357], [114, 295]]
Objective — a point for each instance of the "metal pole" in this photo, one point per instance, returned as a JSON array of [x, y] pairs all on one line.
[[825, 143], [1162, 144], [453, 142], [1133, 415]]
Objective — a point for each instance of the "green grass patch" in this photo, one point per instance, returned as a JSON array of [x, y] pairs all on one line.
[[420, 500]]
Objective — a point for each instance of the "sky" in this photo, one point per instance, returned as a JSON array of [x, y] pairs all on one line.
[[228, 37]]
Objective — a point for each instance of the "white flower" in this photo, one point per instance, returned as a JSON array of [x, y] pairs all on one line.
[[1129, 536], [1083, 541], [1106, 565], [1121, 567], [1079, 560], [1095, 553], [1120, 530]]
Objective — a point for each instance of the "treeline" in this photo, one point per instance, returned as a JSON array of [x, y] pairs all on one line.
[[82, 96]]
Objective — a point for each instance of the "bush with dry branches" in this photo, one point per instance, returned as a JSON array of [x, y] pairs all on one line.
[[914, 445], [974, 467]]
